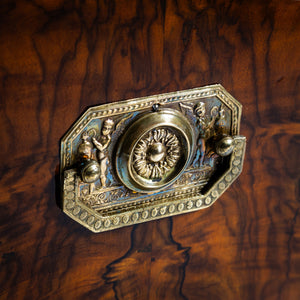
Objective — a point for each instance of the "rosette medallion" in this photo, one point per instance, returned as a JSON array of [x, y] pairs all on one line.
[[156, 154], [155, 149]]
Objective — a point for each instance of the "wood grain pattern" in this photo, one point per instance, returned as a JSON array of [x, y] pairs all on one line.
[[58, 57]]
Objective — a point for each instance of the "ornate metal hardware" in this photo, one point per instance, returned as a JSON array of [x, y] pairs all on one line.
[[143, 159]]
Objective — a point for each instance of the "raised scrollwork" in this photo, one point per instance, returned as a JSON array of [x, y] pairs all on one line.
[[156, 153]]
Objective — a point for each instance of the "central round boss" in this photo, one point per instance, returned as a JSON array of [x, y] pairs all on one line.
[[154, 150]]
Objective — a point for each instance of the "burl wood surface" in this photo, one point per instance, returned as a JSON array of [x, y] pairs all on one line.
[[58, 57]]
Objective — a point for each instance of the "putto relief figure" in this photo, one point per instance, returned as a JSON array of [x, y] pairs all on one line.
[[205, 126], [102, 146], [221, 122]]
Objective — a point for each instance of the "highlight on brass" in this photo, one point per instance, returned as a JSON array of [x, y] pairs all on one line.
[[142, 159]]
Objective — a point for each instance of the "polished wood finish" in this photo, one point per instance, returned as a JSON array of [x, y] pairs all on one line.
[[59, 57]]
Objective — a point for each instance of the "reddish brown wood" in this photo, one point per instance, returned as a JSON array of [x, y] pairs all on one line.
[[58, 57]]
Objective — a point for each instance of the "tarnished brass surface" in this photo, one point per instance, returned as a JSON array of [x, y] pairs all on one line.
[[142, 159], [154, 150]]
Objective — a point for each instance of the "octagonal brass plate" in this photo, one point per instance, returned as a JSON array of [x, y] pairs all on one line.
[[138, 160]]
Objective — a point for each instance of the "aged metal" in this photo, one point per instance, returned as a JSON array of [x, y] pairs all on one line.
[[143, 159], [154, 150]]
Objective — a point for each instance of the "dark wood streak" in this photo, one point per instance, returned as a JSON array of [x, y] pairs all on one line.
[[59, 57], [153, 267]]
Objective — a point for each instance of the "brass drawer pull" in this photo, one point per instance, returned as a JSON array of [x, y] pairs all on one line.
[[143, 159]]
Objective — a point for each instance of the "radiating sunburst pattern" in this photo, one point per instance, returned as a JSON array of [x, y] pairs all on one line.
[[156, 153]]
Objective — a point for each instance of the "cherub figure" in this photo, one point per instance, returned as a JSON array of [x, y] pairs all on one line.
[[205, 126], [221, 122], [102, 146]]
